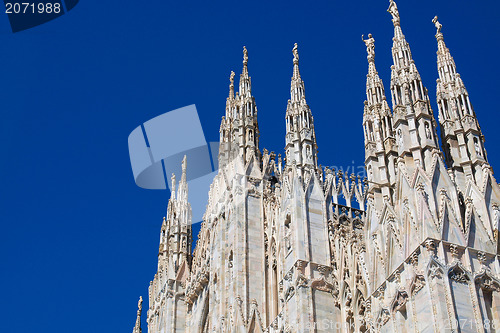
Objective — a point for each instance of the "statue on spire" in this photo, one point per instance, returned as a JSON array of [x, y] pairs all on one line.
[[437, 24], [370, 46], [139, 305], [295, 54], [231, 78], [393, 10], [184, 167], [245, 56], [137, 327], [172, 190], [231, 85]]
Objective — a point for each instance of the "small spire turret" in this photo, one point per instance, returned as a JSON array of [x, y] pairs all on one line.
[[375, 92], [239, 130], [377, 125], [301, 147]]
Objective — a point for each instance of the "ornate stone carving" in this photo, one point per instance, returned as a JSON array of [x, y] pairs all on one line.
[[486, 282], [435, 271], [383, 317], [414, 259], [430, 245], [454, 250], [458, 274], [301, 281], [417, 284], [399, 301], [482, 258]]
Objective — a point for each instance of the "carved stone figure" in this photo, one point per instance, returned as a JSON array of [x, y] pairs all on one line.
[[370, 46], [428, 133], [393, 10], [477, 147], [295, 54], [400, 138], [437, 24]]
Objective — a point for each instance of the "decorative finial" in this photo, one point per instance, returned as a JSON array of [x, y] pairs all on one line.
[[231, 85], [184, 167], [172, 191], [437, 24], [393, 10], [295, 54], [370, 46], [137, 327], [231, 78], [245, 56]]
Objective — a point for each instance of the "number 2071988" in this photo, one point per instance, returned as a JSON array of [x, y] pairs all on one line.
[[32, 8]]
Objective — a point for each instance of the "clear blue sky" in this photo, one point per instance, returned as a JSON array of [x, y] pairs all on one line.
[[79, 240]]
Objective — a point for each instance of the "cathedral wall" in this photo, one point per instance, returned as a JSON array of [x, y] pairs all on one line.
[[421, 304], [318, 234], [198, 317], [256, 255], [439, 303], [402, 322], [181, 309], [463, 306], [326, 314]]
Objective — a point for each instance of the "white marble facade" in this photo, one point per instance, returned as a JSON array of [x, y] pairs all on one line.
[[278, 253]]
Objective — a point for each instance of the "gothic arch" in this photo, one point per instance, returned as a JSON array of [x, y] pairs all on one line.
[[460, 285], [434, 268], [488, 295], [486, 280], [458, 273]]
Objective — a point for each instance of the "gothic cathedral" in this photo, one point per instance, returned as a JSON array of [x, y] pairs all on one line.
[[415, 247]]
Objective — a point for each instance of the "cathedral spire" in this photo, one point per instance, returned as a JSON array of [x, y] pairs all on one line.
[[239, 130], [137, 327], [463, 141], [414, 120], [375, 93], [377, 126], [301, 147]]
